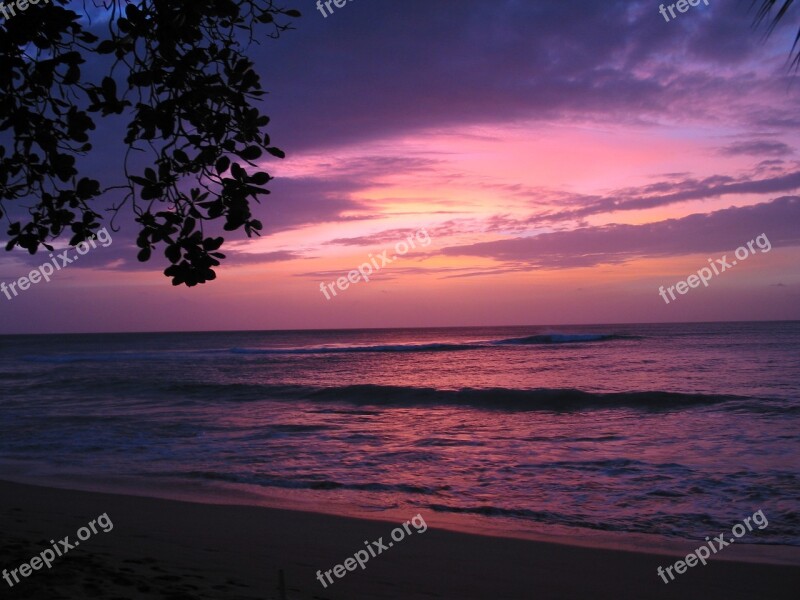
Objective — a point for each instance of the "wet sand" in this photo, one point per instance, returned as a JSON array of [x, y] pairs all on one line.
[[180, 550]]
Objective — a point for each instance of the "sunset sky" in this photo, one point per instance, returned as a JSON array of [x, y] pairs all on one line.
[[565, 158]]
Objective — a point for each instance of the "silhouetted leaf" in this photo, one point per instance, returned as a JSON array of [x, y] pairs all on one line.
[[250, 153], [223, 164]]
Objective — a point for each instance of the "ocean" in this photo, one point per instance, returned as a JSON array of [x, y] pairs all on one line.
[[678, 430]]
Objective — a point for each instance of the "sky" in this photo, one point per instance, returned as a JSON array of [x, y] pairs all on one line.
[[552, 163]]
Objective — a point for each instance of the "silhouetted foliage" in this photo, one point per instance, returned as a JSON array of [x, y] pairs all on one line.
[[765, 11], [178, 70]]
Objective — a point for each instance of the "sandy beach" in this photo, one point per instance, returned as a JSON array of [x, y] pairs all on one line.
[[176, 550]]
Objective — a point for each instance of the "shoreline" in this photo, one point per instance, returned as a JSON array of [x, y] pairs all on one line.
[[320, 503], [236, 551]]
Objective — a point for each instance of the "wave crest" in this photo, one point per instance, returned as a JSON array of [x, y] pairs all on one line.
[[544, 399]]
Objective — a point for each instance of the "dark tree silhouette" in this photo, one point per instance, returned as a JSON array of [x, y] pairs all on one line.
[[176, 70], [766, 13]]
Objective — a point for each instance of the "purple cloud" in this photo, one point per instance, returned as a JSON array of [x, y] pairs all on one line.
[[757, 148], [720, 231]]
